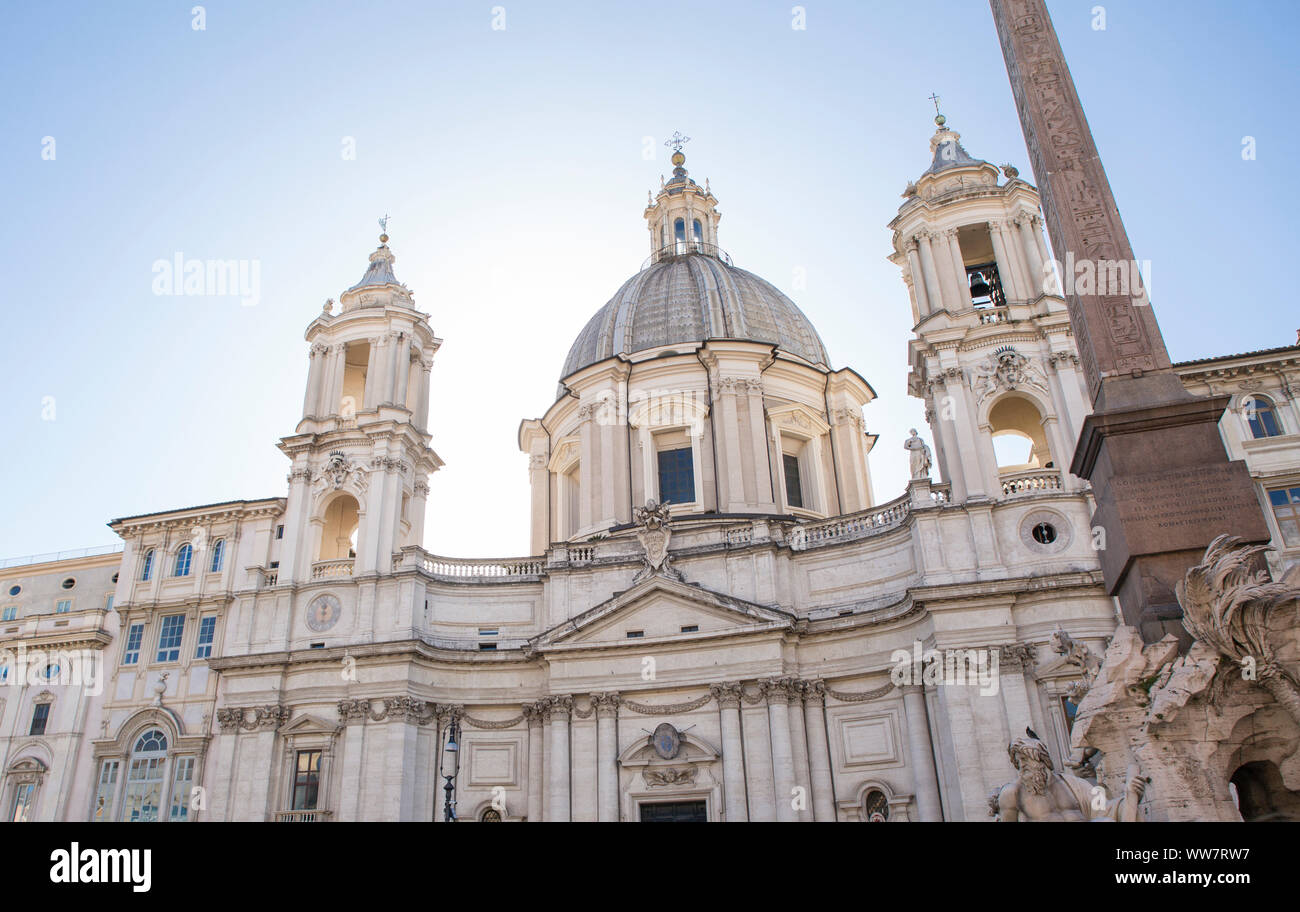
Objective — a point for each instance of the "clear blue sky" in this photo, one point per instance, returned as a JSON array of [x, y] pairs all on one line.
[[512, 165]]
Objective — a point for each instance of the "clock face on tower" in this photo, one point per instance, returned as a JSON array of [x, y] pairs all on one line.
[[323, 612]]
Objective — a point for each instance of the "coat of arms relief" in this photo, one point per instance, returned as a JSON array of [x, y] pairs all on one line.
[[1006, 369]]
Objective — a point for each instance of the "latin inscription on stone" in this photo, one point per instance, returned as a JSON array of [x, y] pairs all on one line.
[[1183, 508]]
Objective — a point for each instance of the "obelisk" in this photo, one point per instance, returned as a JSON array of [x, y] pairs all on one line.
[[1162, 480]]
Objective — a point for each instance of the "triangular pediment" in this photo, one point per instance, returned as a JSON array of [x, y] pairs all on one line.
[[659, 608], [307, 724]]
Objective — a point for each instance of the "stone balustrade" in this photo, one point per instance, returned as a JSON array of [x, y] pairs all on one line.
[[332, 569], [458, 568], [316, 816], [858, 525], [1034, 481]]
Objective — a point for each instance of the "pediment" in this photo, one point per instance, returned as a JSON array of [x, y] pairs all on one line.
[[660, 607], [308, 725]]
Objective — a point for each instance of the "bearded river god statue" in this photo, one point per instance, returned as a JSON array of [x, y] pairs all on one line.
[[1042, 794]]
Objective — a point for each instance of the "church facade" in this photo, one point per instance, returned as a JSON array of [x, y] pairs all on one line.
[[717, 621]]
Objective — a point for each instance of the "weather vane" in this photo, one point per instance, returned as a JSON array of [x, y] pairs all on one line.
[[383, 223], [676, 141]]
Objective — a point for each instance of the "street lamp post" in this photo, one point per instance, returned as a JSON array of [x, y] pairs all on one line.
[[450, 766]]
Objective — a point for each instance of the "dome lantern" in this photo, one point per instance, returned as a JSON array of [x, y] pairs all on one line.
[[683, 218]]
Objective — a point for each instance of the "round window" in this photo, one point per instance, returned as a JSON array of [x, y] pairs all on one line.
[[14, 590], [69, 583], [1044, 533]]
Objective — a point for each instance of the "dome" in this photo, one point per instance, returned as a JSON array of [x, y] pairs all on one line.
[[692, 298]]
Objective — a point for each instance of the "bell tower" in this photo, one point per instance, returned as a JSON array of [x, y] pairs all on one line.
[[360, 456], [992, 352]]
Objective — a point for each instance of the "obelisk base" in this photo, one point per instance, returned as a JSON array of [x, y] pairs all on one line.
[[1165, 489]]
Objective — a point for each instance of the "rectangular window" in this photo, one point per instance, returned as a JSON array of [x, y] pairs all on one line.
[[108, 603], [306, 781], [144, 784], [279, 531], [487, 647], [207, 633], [676, 476], [169, 639], [10, 613], [487, 631], [1286, 509], [23, 802], [181, 784], [40, 716], [691, 628], [793, 487], [107, 789], [635, 634], [63, 606], [131, 655]]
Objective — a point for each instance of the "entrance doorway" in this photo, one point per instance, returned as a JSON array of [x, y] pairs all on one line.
[[674, 812]]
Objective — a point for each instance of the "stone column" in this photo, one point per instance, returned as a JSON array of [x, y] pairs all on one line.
[[819, 755], [758, 763], [607, 756], [536, 784], [312, 396], [930, 272], [402, 371], [372, 378], [1006, 269], [1029, 285], [925, 782], [918, 278], [584, 766], [799, 749], [778, 720], [1030, 248], [559, 760], [732, 469], [733, 751], [764, 494], [958, 269]]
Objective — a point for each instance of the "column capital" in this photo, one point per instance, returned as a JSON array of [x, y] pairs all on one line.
[[533, 713], [559, 706], [606, 704], [776, 690], [813, 692], [728, 695]]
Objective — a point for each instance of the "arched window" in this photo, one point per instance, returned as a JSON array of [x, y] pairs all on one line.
[[699, 232], [491, 815], [183, 556], [218, 554], [876, 807], [679, 230], [148, 565], [145, 778], [1262, 417]]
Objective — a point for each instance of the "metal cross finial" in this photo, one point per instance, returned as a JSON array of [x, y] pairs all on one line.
[[676, 141], [935, 99]]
